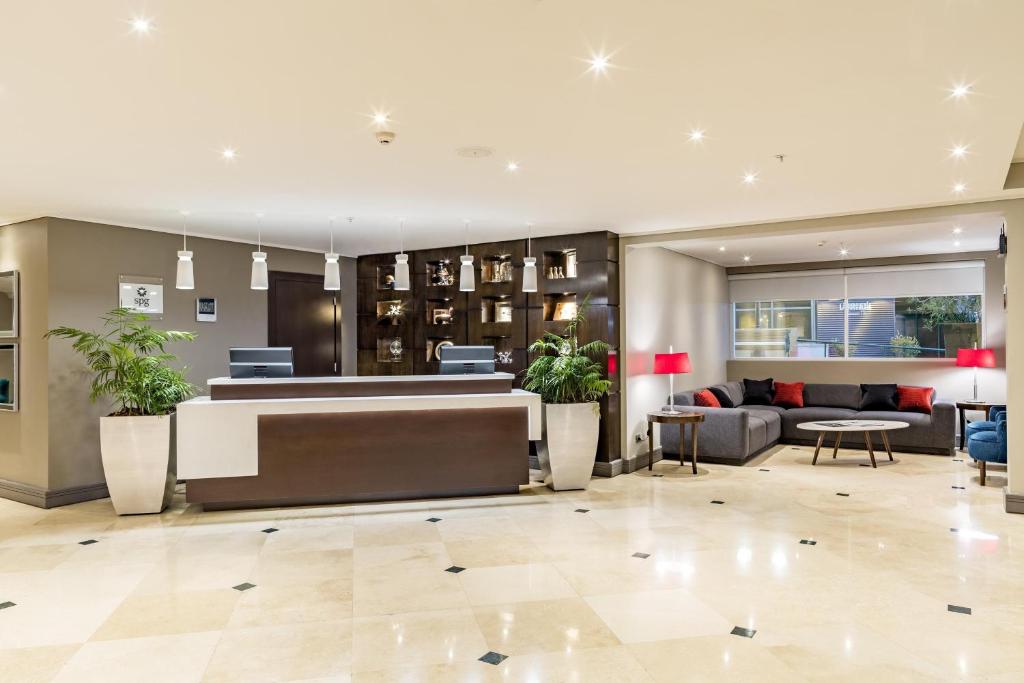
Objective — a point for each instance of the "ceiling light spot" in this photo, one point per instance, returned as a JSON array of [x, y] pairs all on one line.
[[696, 135], [957, 230], [599, 63], [956, 243], [141, 25], [960, 91], [721, 248], [959, 188], [512, 166], [750, 177], [843, 251], [958, 151], [746, 259], [229, 154], [381, 118], [474, 152]]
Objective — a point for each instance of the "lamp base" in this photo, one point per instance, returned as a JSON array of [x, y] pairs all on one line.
[[671, 411]]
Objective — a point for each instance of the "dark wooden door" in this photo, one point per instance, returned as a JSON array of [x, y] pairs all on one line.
[[303, 316]]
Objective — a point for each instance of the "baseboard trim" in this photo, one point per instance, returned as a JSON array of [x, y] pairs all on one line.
[[608, 469], [40, 497], [1014, 502]]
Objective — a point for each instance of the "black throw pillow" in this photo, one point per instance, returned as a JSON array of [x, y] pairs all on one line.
[[723, 398], [878, 397], [757, 392]]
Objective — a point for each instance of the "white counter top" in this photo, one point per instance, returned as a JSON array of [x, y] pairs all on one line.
[[227, 381]]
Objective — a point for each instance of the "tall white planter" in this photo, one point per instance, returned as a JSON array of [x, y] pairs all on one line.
[[137, 462], [568, 447]]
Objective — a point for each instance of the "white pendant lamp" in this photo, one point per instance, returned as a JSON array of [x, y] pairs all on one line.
[[332, 273], [259, 279], [467, 274], [529, 264], [184, 278], [401, 261]]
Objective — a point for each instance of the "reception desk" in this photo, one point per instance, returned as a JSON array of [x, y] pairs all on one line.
[[295, 441]]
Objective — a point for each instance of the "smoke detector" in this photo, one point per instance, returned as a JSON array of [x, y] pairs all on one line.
[[385, 137], [474, 152]]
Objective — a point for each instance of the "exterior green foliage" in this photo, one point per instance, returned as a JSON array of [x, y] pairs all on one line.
[[936, 310], [905, 347], [567, 372], [130, 365]]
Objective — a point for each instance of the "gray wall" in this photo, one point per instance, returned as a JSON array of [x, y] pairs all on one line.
[[671, 299]]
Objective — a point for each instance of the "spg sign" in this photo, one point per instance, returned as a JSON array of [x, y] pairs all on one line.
[[141, 297]]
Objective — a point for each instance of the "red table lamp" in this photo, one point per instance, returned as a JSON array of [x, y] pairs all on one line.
[[672, 364], [975, 358]]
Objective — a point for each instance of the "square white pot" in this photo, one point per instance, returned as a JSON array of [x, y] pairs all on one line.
[[568, 446], [137, 462]]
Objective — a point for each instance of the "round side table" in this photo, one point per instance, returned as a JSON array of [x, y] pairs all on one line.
[[681, 419], [961, 408]]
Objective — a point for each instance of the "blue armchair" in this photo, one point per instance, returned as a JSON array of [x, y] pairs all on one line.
[[989, 445], [988, 425]]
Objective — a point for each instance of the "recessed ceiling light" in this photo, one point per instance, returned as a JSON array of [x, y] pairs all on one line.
[[746, 259], [960, 91], [229, 154], [959, 188], [696, 135], [141, 25], [599, 63], [843, 251], [956, 243], [722, 248], [750, 177], [957, 230], [958, 151], [512, 166], [381, 118]]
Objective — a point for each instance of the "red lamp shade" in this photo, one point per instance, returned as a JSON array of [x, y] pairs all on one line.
[[975, 358], [672, 363]]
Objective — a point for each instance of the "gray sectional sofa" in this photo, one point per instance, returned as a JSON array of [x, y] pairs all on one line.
[[734, 435]]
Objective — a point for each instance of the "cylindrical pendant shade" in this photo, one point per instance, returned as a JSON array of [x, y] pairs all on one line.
[[467, 277], [259, 271], [401, 272], [332, 274], [184, 279], [530, 274]]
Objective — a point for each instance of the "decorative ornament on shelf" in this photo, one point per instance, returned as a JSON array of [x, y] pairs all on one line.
[[467, 274], [332, 272], [529, 264], [184, 278], [401, 283], [258, 279]]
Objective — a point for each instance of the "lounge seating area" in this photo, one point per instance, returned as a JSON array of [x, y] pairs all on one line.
[[986, 440], [747, 427]]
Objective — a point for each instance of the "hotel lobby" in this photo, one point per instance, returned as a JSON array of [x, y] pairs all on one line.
[[523, 341]]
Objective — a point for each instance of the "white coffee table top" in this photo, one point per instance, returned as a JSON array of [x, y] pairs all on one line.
[[852, 425]]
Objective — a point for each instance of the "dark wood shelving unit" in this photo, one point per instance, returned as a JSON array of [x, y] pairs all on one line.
[[497, 312]]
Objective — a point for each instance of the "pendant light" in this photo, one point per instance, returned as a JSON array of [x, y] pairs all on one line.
[[332, 274], [401, 261], [529, 264], [184, 279], [259, 261], [467, 274]]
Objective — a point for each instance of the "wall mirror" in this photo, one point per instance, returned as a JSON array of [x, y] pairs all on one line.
[[8, 376], [9, 303]]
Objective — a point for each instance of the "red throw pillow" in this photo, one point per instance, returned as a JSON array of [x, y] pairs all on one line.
[[789, 394], [914, 399], [705, 398]]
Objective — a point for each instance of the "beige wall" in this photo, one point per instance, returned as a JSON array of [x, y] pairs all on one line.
[[23, 434], [671, 299], [1015, 351], [949, 381]]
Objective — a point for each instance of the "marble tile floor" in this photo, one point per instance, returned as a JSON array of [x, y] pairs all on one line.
[[904, 578]]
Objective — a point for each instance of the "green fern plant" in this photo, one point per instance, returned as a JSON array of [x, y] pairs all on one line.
[[129, 363], [565, 371]]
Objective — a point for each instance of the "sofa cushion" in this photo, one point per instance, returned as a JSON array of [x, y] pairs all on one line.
[[705, 398], [758, 434], [794, 416], [914, 399], [778, 410], [772, 422], [735, 391], [757, 392], [878, 397], [789, 394], [913, 419], [832, 395], [724, 399]]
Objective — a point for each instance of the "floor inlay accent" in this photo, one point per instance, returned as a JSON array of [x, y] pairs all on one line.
[[455, 569], [89, 541], [807, 541], [657, 475], [5, 605], [270, 530], [844, 495], [745, 632], [493, 657], [582, 510], [764, 469], [642, 556], [954, 529], [718, 502], [433, 520], [957, 460], [242, 587], [959, 487], [958, 609]]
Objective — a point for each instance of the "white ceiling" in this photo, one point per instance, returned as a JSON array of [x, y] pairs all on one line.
[[976, 233], [99, 123]]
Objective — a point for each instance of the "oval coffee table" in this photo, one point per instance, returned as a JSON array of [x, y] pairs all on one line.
[[839, 427]]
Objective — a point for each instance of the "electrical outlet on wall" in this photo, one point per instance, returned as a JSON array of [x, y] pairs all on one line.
[[640, 438]]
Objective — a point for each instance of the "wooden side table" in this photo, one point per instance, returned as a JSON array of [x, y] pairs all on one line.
[[681, 419], [962, 407]]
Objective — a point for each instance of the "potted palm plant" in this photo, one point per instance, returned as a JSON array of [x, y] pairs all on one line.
[[570, 383], [131, 368]]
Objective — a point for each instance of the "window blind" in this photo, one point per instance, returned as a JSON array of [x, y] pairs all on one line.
[[811, 284]]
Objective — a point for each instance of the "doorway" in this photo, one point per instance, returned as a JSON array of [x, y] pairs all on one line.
[[300, 314]]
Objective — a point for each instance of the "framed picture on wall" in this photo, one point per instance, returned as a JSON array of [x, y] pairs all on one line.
[[206, 310], [142, 294], [9, 304]]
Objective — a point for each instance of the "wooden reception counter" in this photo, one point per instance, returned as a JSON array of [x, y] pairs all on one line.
[[296, 441]]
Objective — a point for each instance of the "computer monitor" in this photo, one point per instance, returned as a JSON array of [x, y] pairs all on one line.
[[261, 362], [467, 360]]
